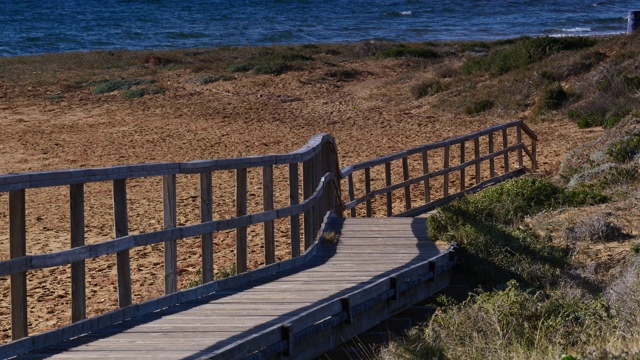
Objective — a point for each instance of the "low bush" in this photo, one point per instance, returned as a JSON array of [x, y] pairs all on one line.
[[554, 98], [242, 67], [524, 51], [427, 89], [105, 87], [208, 79], [625, 149], [508, 324], [276, 68], [407, 51], [134, 94], [478, 107], [593, 229]]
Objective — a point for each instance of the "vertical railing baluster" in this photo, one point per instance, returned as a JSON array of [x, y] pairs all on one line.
[[307, 191], [17, 249], [294, 199], [78, 284], [463, 170], [367, 189], [425, 170], [492, 161], [241, 210], [387, 182], [170, 222], [267, 202], [505, 144], [351, 194], [476, 150], [519, 140], [206, 215], [121, 228], [446, 175], [407, 189]]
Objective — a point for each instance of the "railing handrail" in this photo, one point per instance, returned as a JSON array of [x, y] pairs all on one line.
[[347, 170], [29, 180]]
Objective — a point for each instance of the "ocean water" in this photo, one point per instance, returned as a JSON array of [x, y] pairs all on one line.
[[36, 26]]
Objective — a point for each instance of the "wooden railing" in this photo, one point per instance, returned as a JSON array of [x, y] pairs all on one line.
[[321, 190], [485, 152]]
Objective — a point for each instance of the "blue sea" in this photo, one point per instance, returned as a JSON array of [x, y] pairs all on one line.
[[36, 26]]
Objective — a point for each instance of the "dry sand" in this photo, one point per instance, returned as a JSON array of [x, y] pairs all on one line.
[[372, 115]]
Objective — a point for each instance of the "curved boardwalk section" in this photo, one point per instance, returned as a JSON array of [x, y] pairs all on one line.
[[363, 271]]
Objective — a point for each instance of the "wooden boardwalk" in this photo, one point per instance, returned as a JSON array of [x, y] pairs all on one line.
[[369, 251]]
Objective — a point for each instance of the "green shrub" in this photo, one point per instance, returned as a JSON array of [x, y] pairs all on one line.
[[134, 94], [508, 324], [406, 51], [208, 79], [277, 68], [427, 89], [522, 52], [582, 196], [591, 119], [156, 90], [118, 85], [293, 57], [243, 67], [624, 150], [554, 98], [478, 107]]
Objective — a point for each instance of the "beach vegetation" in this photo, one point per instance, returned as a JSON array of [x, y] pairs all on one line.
[[625, 149], [427, 88], [105, 87], [402, 51], [205, 79], [133, 94], [523, 51], [554, 97], [478, 107]]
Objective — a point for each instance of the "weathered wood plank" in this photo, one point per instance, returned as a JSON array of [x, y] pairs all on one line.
[[492, 162], [446, 175], [170, 222], [241, 210], [351, 194], [387, 181], [78, 284], [17, 249], [407, 189], [367, 189], [519, 141], [267, 200], [206, 214], [425, 170], [463, 170], [121, 228], [505, 144], [476, 153], [294, 199]]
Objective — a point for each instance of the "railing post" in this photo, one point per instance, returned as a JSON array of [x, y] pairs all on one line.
[[241, 210], [476, 150], [425, 170], [387, 181], [121, 228], [533, 154], [351, 194], [294, 199], [463, 170], [267, 202], [367, 189], [170, 222], [446, 175], [206, 215], [18, 248], [492, 162], [78, 285], [505, 144], [519, 140], [307, 191], [407, 189]]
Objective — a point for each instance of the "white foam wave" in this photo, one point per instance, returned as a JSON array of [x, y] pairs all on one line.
[[405, 13], [577, 29]]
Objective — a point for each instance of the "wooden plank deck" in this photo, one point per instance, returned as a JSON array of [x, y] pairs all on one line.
[[368, 250]]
